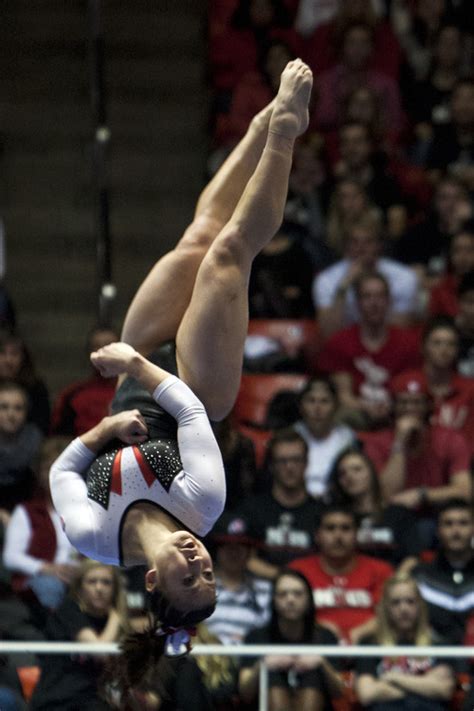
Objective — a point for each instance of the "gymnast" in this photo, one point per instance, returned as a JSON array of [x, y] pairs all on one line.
[[142, 486]]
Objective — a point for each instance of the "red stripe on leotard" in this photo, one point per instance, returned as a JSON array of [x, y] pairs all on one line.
[[146, 470], [116, 486]]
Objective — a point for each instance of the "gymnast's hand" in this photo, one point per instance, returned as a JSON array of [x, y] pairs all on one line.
[[129, 427], [114, 359]]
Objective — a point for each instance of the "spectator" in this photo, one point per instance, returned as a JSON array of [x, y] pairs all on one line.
[[465, 325], [400, 682], [84, 403], [361, 159], [283, 519], [428, 100], [385, 531], [354, 70], [238, 454], [333, 293], [362, 358], [346, 586], [17, 364], [318, 405], [296, 682], [349, 203], [93, 612], [36, 549], [243, 599], [281, 277], [420, 465], [446, 582], [444, 296], [425, 246], [452, 148], [452, 394], [19, 445]]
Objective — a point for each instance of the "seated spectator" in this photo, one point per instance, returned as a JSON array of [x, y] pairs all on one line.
[[349, 203], [238, 454], [446, 582], [417, 25], [452, 394], [295, 682], [352, 70], [452, 148], [333, 292], [82, 405], [36, 549], [93, 612], [428, 100], [420, 465], [425, 246], [281, 277], [243, 599], [307, 197], [385, 531], [346, 585], [19, 445], [364, 357], [254, 91], [465, 325], [16, 364], [361, 159], [400, 682], [318, 406], [321, 49], [444, 295], [283, 519]]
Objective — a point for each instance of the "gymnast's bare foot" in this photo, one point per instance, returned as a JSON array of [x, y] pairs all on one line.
[[290, 115]]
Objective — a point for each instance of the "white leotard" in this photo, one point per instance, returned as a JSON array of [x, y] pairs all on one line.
[[192, 488]]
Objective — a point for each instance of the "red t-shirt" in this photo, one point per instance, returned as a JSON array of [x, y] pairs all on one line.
[[444, 453], [371, 371], [346, 600], [455, 410], [443, 297]]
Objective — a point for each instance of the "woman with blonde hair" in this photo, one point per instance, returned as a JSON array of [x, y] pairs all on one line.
[[95, 612], [401, 682]]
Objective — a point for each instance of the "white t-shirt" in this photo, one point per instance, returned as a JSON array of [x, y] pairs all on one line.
[[322, 453], [189, 484], [402, 281]]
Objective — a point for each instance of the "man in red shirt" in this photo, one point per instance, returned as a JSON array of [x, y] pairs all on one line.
[[346, 586], [420, 465], [364, 357], [451, 393]]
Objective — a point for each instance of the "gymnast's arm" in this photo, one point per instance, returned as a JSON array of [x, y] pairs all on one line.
[[68, 488]]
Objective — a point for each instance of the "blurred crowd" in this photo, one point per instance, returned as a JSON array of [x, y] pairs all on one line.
[[348, 455]]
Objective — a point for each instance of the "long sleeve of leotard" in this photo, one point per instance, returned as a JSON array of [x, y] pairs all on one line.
[[203, 476]]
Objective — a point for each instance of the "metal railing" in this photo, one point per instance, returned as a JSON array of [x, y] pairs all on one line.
[[250, 650]]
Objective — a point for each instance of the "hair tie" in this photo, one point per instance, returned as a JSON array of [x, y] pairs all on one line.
[[178, 640]]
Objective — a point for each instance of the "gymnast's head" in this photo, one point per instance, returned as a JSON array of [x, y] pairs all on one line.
[[181, 585]]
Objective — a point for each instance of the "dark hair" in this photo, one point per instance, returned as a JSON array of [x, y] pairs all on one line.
[[27, 373], [323, 380], [453, 503], [437, 322], [336, 495], [336, 508], [466, 284], [367, 276], [241, 18], [142, 650], [309, 615], [285, 435]]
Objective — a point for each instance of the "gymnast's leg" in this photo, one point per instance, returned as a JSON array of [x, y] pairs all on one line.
[[211, 336], [158, 307]]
